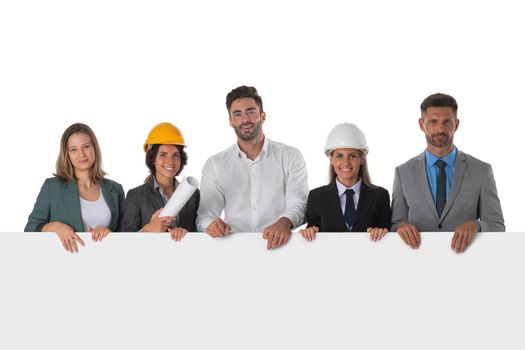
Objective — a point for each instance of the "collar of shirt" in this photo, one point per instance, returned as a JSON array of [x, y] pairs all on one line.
[[342, 188], [157, 187], [449, 159], [264, 150]]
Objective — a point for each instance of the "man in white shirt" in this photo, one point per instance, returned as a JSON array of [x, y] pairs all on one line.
[[260, 184]]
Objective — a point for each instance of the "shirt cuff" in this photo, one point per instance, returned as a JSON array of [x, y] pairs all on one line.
[[293, 218]]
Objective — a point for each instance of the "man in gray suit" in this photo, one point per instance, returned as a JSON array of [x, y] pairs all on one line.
[[444, 189]]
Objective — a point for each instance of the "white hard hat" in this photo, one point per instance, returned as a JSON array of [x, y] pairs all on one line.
[[345, 135]]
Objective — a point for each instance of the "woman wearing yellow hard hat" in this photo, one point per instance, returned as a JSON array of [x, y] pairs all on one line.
[[165, 159], [350, 202], [78, 198]]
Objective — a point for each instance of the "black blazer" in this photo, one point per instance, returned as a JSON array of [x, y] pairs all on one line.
[[323, 209], [141, 202]]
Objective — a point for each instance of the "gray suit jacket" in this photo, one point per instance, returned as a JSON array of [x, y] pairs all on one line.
[[142, 201], [473, 196]]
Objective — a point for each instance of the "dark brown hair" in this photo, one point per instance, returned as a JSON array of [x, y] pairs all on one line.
[[244, 92], [151, 154], [439, 100]]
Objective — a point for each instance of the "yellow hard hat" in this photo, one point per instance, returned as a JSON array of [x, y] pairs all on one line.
[[164, 134]]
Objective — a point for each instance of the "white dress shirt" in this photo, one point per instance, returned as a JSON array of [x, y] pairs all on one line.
[[253, 194]]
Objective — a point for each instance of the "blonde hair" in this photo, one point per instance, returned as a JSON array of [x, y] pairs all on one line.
[[64, 169], [363, 170]]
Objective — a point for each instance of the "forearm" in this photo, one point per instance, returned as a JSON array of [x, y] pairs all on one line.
[[285, 222], [49, 227]]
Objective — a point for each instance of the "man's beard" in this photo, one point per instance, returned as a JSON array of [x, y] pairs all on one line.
[[440, 140], [248, 136]]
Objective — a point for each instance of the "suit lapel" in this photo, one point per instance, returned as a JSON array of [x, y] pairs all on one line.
[[111, 198], [334, 206], [156, 197], [422, 180], [73, 198], [459, 172], [363, 206]]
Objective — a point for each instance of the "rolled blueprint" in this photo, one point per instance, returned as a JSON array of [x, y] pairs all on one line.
[[182, 194]]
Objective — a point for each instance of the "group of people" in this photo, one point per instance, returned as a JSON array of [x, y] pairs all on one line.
[[259, 185]]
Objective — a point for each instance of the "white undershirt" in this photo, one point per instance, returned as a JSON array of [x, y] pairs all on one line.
[[95, 213]]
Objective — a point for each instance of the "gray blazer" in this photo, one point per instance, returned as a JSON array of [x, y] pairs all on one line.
[[142, 201], [473, 196]]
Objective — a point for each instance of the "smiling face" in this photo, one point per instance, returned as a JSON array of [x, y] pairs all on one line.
[[246, 118], [346, 163], [439, 125], [80, 152], [167, 162]]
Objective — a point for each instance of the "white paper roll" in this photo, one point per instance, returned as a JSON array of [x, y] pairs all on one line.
[[180, 197]]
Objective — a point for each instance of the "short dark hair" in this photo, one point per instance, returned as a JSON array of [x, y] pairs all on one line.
[[439, 100], [151, 154], [244, 92]]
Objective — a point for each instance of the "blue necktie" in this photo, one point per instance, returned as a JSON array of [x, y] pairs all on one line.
[[441, 193], [350, 215]]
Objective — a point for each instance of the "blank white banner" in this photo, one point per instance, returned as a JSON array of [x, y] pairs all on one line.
[[144, 291]]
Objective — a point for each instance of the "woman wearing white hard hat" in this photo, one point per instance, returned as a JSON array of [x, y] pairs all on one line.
[[165, 159], [350, 202]]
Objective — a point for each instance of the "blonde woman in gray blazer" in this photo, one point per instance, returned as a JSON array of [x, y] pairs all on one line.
[[444, 189]]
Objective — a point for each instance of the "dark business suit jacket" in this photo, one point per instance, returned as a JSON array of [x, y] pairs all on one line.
[[59, 201], [141, 202], [323, 209]]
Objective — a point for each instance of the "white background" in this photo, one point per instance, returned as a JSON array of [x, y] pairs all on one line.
[[123, 66]]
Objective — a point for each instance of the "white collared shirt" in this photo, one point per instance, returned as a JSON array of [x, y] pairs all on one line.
[[253, 194], [342, 195]]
